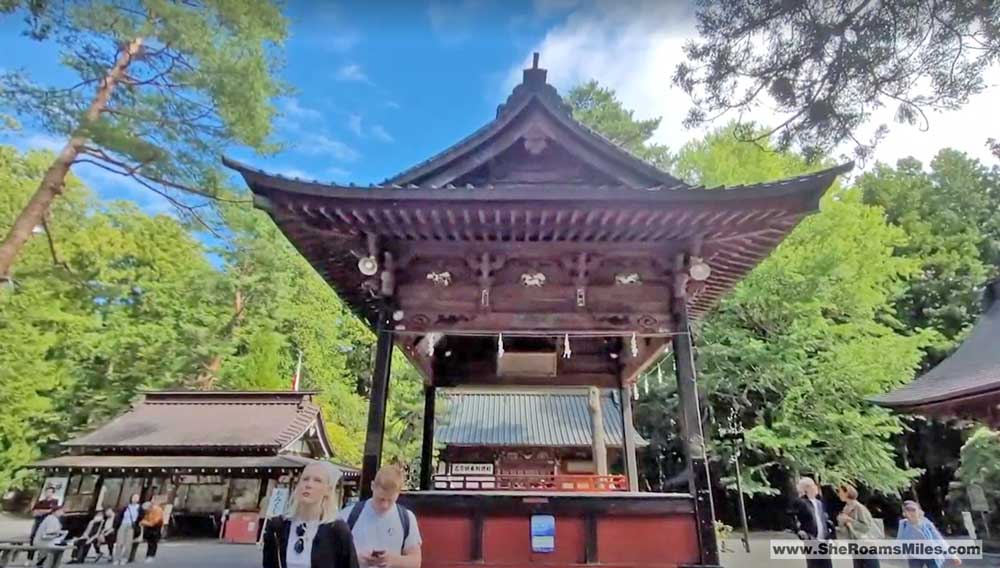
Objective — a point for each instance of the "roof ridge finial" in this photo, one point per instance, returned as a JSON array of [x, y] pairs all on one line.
[[534, 77]]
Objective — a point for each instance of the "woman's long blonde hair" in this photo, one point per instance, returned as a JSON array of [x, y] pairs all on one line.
[[329, 506]]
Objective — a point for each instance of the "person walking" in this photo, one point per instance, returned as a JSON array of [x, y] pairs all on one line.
[[152, 525], [310, 536], [812, 523], [385, 532], [855, 522], [126, 527], [915, 526]]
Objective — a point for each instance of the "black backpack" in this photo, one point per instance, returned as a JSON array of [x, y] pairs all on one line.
[[404, 518]]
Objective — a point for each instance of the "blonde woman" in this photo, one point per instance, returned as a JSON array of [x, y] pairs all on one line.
[[310, 536], [856, 523]]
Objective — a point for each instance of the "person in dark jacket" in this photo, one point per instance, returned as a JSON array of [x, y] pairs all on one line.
[[812, 522], [310, 536]]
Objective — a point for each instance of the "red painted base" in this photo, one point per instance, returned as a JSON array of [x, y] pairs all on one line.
[[494, 530]]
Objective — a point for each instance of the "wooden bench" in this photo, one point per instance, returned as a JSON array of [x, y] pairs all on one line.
[[17, 554]]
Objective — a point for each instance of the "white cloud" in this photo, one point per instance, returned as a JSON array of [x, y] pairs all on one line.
[[40, 141], [294, 109], [354, 124], [633, 48], [452, 20], [320, 144], [352, 72], [381, 134]]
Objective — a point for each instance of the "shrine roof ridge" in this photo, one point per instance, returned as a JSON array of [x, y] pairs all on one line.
[[262, 182]]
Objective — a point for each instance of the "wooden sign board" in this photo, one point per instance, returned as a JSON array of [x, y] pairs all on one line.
[[472, 469]]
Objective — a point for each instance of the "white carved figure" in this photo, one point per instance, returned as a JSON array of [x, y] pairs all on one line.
[[533, 279]]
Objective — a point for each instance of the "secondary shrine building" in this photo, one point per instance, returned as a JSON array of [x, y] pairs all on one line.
[[214, 459], [536, 253]]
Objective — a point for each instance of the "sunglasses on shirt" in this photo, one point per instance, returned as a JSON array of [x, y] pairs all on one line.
[[300, 544]]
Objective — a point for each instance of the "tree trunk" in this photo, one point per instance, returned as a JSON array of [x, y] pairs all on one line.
[[209, 374], [54, 180]]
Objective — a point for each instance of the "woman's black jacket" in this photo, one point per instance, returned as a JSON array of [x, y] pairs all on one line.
[[332, 547]]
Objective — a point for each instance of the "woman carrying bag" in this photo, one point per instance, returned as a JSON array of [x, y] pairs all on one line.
[[855, 522], [310, 536]]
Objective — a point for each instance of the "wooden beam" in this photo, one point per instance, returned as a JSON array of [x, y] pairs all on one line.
[[691, 433], [628, 432], [378, 400], [427, 444], [600, 380]]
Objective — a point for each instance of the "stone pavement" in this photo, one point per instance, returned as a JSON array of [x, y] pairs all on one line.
[[211, 554]]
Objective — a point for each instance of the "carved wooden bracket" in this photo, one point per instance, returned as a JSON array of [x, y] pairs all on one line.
[[485, 267], [580, 268]]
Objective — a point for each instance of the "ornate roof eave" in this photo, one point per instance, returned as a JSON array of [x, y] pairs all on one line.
[[534, 92], [809, 188]]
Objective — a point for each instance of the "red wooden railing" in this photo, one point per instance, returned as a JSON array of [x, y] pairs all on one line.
[[566, 482]]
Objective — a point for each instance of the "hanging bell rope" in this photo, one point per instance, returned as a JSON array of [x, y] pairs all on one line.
[[635, 345], [567, 352], [500, 346]]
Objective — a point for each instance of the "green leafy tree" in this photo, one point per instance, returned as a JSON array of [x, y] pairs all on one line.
[[980, 465], [111, 301], [828, 67], [161, 88], [791, 354], [949, 215], [599, 108]]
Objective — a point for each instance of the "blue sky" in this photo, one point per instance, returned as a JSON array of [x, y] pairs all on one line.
[[382, 85]]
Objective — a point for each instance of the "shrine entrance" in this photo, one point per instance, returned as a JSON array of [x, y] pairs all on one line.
[[536, 253]]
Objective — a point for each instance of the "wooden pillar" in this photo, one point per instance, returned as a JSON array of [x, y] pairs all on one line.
[[692, 436], [427, 449], [628, 433], [598, 444], [378, 399]]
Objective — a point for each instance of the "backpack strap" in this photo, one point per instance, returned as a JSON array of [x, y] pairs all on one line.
[[404, 520], [352, 517]]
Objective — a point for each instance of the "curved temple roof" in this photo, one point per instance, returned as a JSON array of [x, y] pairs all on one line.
[[535, 190], [971, 372]]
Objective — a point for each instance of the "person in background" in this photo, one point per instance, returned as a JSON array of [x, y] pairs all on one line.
[[50, 532], [915, 526], [812, 523], [385, 532], [89, 538], [856, 523], [41, 509], [107, 534], [126, 527], [152, 525], [310, 536]]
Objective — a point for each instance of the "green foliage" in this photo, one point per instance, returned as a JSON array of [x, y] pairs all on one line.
[[953, 232], [981, 463], [123, 301], [829, 68], [110, 301], [796, 348], [599, 108], [203, 80]]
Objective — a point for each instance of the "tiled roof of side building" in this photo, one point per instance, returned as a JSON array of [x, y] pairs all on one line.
[[548, 418]]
